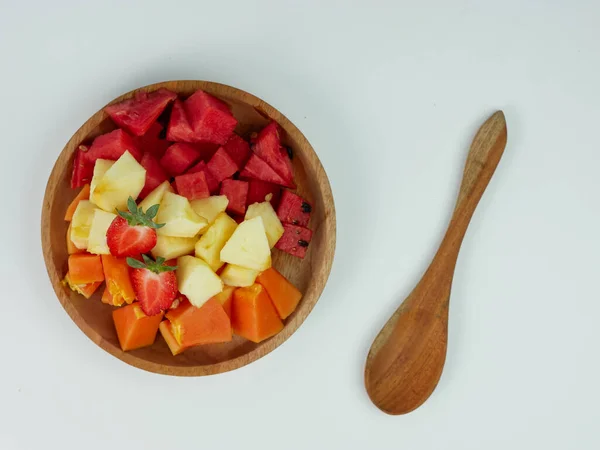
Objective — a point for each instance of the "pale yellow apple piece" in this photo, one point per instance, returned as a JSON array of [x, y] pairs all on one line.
[[101, 166], [238, 276], [248, 246], [97, 239], [179, 218], [211, 243], [196, 280], [81, 223], [210, 207], [170, 247], [155, 197], [272, 224]]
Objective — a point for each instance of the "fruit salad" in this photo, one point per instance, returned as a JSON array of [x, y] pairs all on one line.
[[176, 219]]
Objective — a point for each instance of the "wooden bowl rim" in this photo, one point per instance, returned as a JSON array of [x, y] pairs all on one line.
[[267, 346]]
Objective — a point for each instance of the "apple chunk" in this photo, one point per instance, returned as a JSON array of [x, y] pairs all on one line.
[[272, 224], [196, 280], [97, 239], [248, 246], [210, 207], [179, 218], [211, 243]]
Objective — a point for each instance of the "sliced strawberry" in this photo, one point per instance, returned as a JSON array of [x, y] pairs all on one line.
[[154, 284], [257, 169], [83, 169], [133, 232]]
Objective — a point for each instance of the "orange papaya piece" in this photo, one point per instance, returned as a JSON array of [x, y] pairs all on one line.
[[225, 297], [165, 330], [283, 294], [208, 324], [253, 315], [134, 328], [109, 299], [84, 194], [84, 289], [71, 249], [85, 268], [118, 283]]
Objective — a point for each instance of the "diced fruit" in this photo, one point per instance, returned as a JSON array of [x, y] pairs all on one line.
[[112, 145], [81, 223], [257, 169], [97, 238], [118, 283], [238, 276], [83, 169], [137, 114], [221, 166], [237, 193], [155, 197], [151, 141], [126, 178], [295, 240], [271, 222], [208, 324], [165, 330], [253, 315], [85, 268], [71, 249], [179, 129], [211, 181], [154, 284], [283, 294], [294, 209], [268, 147], [108, 298], [155, 175], [179, 157], [210, 207], [100, 168], [211, 243], [87, 290], [179, 218], [259, 190], [84, 194], [192, 186], [238, 149], [173, 247], [196, 280], [248, 246], [134, 328], [210, 118], [225, 298]]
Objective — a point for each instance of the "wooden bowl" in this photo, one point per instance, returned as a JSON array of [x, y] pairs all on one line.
[[309, 275]]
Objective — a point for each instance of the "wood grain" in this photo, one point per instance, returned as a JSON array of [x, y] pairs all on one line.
[[309, 275], [406, 359]]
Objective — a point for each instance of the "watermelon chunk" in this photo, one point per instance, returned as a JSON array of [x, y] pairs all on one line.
[[83, 168], [237, 192], [155, 174], [210, 118], [238, 149], [179, 129], [137, 114], [295, 240], [268, 147], [258, 190], [179, 157], [211, 181], [221, 165], [112, 145], [294, 209], [193, 186], [151, 142], [257, 169]]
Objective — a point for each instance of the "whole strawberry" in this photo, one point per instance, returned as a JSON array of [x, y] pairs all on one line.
[[154, 284], [134, 232]]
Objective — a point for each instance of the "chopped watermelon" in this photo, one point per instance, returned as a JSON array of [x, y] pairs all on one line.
[[151, 142], [112, 145], [206, 149], [295, 240], [294, 209], [211, 181], [193, 186], [155, 174], [268, 148], [237, 192], [137, 114], [238, 149], [221, 165], [258, 190], [83, 168], [257, 169], [210, 118], [179, 129], [179, 157]]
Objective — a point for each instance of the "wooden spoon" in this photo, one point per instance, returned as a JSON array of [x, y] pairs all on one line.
[[407, 357]]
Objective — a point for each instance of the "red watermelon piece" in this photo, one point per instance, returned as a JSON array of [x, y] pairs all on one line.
[[112, 145], [238, 149], [179, 129], [83, 168], [210, 118], [179, 157], [211, 181], [137, 114], [193, 186], [221, 165], [257, 169], [151, 142], [295, 240], [237, 192], [258, 190], [294, 209], [155, 174], [268, 147]]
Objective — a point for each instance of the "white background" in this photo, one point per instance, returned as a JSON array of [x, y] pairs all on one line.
[[390, 96]]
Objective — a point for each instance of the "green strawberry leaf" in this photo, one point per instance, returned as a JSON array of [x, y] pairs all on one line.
[[131, 262], [152, 211]]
